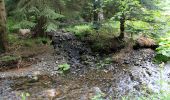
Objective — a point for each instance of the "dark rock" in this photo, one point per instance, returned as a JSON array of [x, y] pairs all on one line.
[[71, 48]]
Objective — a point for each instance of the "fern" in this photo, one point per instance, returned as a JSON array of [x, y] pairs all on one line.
[[51, 27], [29, 11], [50, 14], [23, 25]]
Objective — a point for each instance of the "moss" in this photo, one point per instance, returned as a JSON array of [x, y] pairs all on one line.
[[161, 58], [80, 30], [9, 58]]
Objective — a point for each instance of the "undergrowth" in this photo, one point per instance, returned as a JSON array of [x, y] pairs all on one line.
[[163, 51], [14, 39], [8, 58], [80, 30], [101, 39]]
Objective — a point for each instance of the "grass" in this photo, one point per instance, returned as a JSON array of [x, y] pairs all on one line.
[[26, 47], [8, 58], [80, 30], [14, 39]]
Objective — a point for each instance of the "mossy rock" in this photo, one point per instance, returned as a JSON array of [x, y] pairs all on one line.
[[107, 46]]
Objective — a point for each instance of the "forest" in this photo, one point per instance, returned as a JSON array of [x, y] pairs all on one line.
[[84, 50]]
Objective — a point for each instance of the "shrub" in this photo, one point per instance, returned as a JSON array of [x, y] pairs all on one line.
[[112, 27], [10, 24], [23, 25], [81, 30], [163, 51], [13, 38], [103, 39]]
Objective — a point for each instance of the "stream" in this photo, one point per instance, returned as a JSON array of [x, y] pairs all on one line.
[[113, 76]]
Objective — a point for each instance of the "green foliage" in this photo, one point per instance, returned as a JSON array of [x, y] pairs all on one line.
[[23, 25], [161, 58], [14, 39], [63, 68], [9, 58], [99, 96], [10, 23], [137, 26], [14, 25], [50, 14], [51, 27], [24, 96], [32, 42], [164, 47], [163, 50], [111, 27], [29, 12], [103, 38], [40, 40], [130, 8], [52, 17], [81, 30], [104, 62]]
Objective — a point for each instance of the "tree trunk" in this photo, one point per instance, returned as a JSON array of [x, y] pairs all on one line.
[[39, 30], [95, 13], [3, 33], [96, 7], [122, 26], [101, 15]]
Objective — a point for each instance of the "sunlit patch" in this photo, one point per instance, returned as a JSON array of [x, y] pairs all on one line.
[[51, 92]]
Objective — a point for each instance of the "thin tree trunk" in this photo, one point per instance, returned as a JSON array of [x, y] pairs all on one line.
[[96, 7], [39, 30], [122, 26], [95, 13], [3, 33], [101, 15]]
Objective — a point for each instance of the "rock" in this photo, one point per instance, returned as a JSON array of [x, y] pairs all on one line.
[[24, 32], [126, 62], [96, 94], [97, 90], [52, 93], [74, 51]]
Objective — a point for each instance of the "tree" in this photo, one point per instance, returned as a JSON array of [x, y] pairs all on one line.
[[124, 10], [45, 15], [40, 16], [3, 33], [97, 13]]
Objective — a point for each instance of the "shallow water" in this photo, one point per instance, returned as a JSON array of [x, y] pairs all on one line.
[[114, 83]]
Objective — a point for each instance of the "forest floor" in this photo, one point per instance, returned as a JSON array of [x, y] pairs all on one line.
[[110, 77]]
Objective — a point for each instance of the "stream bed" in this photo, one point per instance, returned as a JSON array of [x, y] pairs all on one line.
[[112, 83], [109, 77]]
